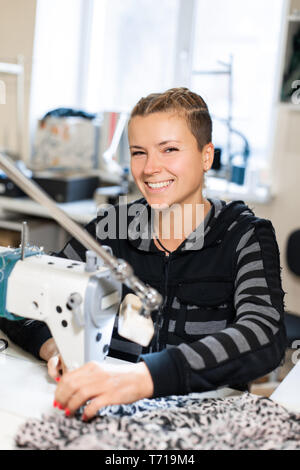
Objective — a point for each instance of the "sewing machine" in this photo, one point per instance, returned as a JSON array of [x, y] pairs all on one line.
[[78, 300]]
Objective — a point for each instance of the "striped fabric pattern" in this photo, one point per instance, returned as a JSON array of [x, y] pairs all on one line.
[[256, 318]]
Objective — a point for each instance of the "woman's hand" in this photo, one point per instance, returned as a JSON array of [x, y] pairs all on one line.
[[103, 385], [50, 354], [56, 366]]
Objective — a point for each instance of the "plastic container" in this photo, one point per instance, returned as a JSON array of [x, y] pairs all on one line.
[[287, 393]]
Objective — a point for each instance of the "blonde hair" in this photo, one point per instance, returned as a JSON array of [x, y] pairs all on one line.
[[183, 102]]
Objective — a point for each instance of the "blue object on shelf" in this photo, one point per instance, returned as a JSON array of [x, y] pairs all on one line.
[[238, 170]]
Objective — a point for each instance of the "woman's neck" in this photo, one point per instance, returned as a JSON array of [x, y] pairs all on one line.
[[173, 225]]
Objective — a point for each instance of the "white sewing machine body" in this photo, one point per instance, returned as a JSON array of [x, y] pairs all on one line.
[[78, 306]]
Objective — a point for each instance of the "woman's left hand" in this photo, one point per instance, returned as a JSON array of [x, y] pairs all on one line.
[[102, 384]]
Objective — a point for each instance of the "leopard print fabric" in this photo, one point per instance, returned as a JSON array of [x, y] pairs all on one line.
[[245, 422]]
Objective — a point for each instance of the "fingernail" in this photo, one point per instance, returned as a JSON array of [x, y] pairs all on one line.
[[84, 417], [57, 379], [60, 406], [67, 412], [55, 404]]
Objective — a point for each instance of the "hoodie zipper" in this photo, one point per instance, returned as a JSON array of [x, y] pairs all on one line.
[[160, 319]]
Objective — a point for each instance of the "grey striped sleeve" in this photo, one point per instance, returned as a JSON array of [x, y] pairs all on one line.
[[70, 253], [253, 308], [254, 247], [247, 287], [256, 318], [195, 361]]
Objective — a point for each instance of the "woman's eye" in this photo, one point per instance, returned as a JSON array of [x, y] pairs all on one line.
[[137, 154], [171, 149]]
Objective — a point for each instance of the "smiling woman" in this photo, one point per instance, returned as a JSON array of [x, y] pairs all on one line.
[[171, 149], [162, 170], [221, 321]]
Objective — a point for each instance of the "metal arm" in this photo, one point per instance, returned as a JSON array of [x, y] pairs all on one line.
[[121, 270]]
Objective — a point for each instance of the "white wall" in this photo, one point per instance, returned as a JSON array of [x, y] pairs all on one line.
[[17, 19]]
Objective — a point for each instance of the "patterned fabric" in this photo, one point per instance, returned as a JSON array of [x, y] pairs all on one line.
[[246, 422]]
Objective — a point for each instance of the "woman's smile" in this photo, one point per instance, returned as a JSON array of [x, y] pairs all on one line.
[[158, 186]]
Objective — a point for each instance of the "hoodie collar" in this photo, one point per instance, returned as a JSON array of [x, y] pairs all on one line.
[[210, 231]]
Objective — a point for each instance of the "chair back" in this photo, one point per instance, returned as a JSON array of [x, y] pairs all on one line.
[[293, 252]]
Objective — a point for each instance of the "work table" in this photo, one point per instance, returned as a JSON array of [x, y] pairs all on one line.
[[26, 391]]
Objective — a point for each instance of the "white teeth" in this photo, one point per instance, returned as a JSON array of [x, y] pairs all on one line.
[[160, 185]]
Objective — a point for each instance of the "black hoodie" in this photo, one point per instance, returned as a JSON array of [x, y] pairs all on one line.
[[221, 322]]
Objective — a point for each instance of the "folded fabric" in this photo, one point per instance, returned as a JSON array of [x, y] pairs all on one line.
[[177, 423]]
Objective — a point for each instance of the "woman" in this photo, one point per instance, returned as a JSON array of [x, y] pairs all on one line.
[[215, 263]]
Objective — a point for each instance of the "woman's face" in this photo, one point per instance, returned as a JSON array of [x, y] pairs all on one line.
[[165, 160]]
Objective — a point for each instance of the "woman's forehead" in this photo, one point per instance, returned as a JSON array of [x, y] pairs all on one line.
[[164, 126]]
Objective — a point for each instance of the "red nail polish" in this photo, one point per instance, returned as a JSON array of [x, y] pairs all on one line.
[[60, 406], [84, 417], [54, 404], [67, 412], [57, 379]]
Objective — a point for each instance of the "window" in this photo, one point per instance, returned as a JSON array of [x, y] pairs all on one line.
[[132, 51], [56, 56], [244, 37], [103, 55]]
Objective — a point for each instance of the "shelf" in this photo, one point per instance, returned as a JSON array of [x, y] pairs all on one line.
[[11, 69], [80, 211], [9, 225], [294, 18]]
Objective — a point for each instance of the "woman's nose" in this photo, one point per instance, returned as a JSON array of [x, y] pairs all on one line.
[[153, 163]]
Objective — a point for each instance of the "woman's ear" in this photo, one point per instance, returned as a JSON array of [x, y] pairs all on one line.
[[208, 156]]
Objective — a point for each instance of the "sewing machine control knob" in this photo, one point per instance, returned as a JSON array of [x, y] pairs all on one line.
[[73, 303]]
